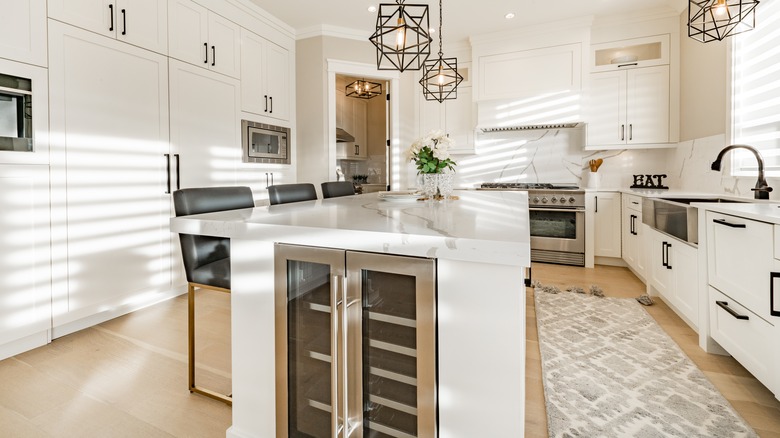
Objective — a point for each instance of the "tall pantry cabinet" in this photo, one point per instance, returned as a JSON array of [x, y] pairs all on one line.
[[109, 124]]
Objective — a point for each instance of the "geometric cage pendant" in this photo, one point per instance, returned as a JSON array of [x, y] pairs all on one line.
[[364, 89], [401, 38], [440, 79], [714, 20]]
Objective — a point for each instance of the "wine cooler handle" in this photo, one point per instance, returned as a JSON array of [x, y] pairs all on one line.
[[345, 382], [335, 370]]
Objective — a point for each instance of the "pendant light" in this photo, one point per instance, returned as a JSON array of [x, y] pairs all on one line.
[[401, 38], [364, 89], [711, 20], [440, 78]]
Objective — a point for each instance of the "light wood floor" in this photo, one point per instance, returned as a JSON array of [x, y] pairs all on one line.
[[749, 397], [128, 377]]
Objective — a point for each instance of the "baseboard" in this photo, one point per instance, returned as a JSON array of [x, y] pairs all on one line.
[[27, 343], [114, 312], [609, 261]]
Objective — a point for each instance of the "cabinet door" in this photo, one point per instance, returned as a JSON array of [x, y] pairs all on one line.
[[740, 254], [658, 274], [188, 32], [224, 44], [205, 125], [277, 80], [253, 98], [360, 147], [647, 100], [341, 102], [685, 271], [607, 108], [143, 23], [607, 225], [627, 230], [640, 246], [98, 16], [109, 119], [459, 121], [23, 33], [25, 271]]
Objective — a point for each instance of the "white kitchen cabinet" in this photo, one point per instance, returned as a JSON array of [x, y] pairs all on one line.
[[633, 234], [25, 261], [630, 107], [143, 23], [205, 126], [23, 33], [455, 117], [636, 52], [673, 272], [203, 38], [265, 73], [606, 219], [109, 123], [354, 121]]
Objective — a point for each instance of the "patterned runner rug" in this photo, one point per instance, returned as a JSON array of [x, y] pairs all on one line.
[[609, 370]]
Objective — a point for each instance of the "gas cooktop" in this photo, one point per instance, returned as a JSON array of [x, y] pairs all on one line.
[[526, 186]]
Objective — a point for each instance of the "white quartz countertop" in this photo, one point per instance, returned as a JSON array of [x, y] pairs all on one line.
[[764, 212], [481, 226]]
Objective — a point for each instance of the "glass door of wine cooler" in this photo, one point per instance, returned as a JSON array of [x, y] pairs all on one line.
[[356, 344]]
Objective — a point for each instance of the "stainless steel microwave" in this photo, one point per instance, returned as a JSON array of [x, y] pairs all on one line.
[[16, 132], [265, 143]]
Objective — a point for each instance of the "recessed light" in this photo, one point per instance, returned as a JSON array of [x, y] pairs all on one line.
[[372, 8], [509, 16]]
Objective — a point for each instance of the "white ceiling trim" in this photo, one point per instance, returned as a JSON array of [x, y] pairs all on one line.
[[332, 31]]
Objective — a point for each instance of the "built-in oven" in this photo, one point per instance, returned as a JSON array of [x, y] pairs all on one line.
[[264, 143], [16, 133], [557, 221]]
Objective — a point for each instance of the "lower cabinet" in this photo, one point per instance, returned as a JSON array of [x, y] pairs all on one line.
[[673, 273], [355, 342], [25, 270], [633, 235], [606, 239]]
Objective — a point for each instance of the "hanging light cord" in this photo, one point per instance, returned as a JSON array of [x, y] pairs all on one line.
[[440, 37]]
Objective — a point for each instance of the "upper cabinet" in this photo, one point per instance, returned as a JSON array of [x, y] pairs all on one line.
[[455, 117], [265, 69], [203, 38], [23, 37], [630, 99], [143, 23]]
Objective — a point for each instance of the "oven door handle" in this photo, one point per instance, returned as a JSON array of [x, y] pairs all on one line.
[[559, 210]]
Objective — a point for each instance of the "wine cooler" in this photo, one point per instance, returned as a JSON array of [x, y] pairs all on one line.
[[355, 344]]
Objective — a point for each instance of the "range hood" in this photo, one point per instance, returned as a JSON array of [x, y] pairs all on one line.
[[561, 111], [564, 125], [343, 136]]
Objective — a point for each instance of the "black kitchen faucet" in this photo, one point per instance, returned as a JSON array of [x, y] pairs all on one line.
[[762, 189]]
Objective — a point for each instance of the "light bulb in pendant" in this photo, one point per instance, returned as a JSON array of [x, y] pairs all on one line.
[[400, 36], [720, 8]]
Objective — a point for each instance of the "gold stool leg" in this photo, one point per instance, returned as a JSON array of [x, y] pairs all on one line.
[[191, 347]]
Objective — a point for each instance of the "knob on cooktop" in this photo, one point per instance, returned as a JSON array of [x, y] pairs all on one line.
[[554, 200], [535, 200], [572, 200], [544, 200]]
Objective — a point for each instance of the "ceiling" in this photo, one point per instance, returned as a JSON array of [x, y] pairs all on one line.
[[462, 18]]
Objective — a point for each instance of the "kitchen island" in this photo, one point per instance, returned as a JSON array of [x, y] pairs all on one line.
[[480, 244]]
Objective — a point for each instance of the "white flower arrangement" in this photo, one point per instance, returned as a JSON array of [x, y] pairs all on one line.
[[431, 153]]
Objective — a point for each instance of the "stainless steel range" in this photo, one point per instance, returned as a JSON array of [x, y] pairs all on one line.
[[557, 221]]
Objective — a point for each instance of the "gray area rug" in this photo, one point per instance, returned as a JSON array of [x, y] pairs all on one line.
[[609, 370]]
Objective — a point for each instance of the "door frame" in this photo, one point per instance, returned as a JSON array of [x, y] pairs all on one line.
[[367, 71]]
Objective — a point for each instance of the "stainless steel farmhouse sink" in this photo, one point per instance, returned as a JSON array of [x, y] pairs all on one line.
[[675, 216]]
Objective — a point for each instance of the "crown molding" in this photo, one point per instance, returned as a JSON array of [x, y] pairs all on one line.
[[332, 31], [637, 17]]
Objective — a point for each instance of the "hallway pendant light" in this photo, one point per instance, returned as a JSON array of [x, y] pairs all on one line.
[[711, 20], [364, 89], [440, 78], [401, 38]]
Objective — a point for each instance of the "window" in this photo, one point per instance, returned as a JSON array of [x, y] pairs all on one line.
[[755, 80]]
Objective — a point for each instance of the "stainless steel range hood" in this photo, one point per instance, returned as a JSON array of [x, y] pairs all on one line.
[[343, 136], [567, 125]]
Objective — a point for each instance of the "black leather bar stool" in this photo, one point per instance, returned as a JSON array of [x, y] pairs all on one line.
[[206, 258], [334, 189], [286, 193]]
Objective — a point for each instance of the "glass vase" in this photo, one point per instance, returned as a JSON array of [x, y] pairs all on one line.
[[429, 185], [445, 185]]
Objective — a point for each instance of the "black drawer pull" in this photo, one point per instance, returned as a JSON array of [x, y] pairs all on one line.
[[725, 306], [728, 224], [772, 277]]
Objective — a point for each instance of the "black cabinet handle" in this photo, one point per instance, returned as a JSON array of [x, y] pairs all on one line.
[[663, 254], [206, 47], [213, 56], [167, 174], [627, 65], [725, 306], [266, 103], [272, 178], [597, 203], [668, 264], [111, 14], [772, 276], [266, 180], [630, 132], [728, 224], [178, 173], [271, 98], [124, 22], [357, 149], [622, 132]]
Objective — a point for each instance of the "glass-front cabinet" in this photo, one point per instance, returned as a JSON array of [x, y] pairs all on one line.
[[355, 343]]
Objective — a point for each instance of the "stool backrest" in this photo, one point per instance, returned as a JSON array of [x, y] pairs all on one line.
[[286, 193], [333, 189]]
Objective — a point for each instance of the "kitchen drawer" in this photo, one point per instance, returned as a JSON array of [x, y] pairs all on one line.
[[752, 341], [632, 202], [740, 258]]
